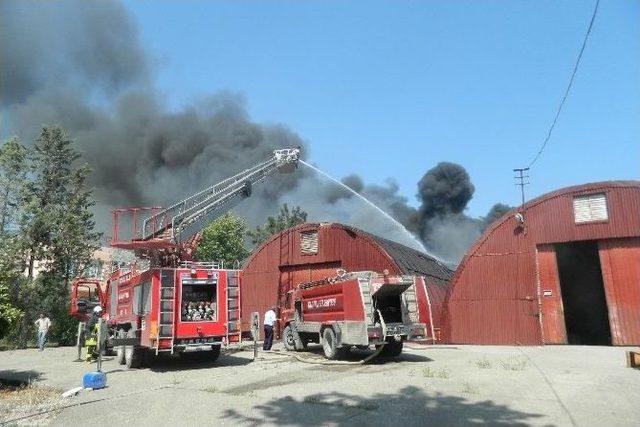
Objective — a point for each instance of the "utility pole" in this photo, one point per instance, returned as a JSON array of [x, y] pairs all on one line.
[[522, 179]]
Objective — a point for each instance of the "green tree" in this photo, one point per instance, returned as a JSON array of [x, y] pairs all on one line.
[[10, 284], [13, 170], [56, 222], [15, 291], [223, 240], [56, 230], [285, 219], [8, 313], [13, 174]]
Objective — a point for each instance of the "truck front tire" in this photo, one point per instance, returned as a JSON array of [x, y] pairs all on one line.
[[290, 342], [287, 338]]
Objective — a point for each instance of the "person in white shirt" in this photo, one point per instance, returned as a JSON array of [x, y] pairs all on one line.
[[269, 320], [43, 324]]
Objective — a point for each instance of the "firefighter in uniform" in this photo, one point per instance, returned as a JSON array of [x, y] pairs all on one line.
[[91, 343]]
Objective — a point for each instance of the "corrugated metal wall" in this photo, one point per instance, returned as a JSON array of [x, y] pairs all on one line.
[[554, 330], [279, 264], [493, 297], [620, 261], [436, 294]]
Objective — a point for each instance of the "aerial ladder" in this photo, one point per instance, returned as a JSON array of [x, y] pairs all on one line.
[[169, 235], [166, 237]]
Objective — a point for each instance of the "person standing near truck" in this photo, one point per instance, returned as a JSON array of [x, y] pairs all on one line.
[[269, 321], [43, 324], [91, 341]]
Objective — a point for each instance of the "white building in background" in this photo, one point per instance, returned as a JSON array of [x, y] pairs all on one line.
[[105, 260]]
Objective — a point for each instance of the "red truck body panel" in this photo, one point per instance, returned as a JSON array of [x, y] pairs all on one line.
[[194, 329], [338, 301], [353, 305], [136, 300]]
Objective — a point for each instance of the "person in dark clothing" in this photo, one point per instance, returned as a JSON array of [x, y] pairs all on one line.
[[269, 322]]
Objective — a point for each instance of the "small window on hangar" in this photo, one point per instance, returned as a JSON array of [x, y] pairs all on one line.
[[590, 208], [309, 242]]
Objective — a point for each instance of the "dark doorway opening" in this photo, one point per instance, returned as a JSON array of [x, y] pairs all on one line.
[[585, 307]]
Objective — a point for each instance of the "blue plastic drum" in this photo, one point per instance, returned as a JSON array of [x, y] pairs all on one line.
[[94, 380]]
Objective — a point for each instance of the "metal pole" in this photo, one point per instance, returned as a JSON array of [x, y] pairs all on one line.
[[102, 339], [255, 324], [521, 180], [79, 341]]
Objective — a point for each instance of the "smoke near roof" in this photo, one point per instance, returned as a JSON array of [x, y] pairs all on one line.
[[444, 190], [81, 65]]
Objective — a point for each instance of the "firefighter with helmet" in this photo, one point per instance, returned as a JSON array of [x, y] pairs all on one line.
[[91, 343]]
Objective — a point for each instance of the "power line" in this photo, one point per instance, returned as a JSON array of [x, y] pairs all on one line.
[[566, 92]]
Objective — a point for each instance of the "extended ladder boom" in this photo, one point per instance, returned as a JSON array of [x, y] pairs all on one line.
[[185, 218]]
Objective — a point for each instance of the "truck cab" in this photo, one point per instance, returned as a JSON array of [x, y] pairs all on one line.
[[86, 293]]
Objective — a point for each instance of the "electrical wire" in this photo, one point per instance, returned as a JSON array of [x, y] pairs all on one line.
[[566, 92]]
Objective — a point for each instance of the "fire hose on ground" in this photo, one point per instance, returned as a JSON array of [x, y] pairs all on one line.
[[315, 361]]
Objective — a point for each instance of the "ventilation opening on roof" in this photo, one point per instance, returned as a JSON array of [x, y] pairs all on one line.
[[309, 243], [590, 208]]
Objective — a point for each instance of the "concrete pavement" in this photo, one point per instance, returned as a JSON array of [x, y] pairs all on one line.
[[442, 385]]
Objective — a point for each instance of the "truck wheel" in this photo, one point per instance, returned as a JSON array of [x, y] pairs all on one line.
[[133, 356], [109, 351], [287, 338], [330, 344], [139, 358], [120, 358], [304, 342], [290, 342], [214, 353], [392, 349]]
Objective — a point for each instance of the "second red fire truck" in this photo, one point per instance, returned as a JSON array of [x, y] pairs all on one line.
[[360, 310]]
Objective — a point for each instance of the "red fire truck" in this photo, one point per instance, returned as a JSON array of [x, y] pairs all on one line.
[[175, 305], [186, 309], [352, 310]]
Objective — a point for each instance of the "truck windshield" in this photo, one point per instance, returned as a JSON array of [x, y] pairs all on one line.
[[199, 303], [87, 292]]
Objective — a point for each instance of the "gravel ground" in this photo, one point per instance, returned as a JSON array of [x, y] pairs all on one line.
[[441, 385]]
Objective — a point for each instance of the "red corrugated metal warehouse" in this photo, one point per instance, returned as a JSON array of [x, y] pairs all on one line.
[[563, 270], [310, 252]]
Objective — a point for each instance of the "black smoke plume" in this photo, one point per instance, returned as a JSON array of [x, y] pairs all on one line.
[[444, 190], [81, 64]]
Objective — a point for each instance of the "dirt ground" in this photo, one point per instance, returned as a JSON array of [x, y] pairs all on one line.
[[434, 385]]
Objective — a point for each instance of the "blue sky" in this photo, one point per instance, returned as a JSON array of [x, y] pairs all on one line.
[[389, 89]]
